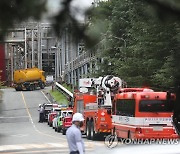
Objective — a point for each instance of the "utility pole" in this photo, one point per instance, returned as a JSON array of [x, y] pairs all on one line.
[[25, 47], [12, 64], [39, 47], [32, 39]]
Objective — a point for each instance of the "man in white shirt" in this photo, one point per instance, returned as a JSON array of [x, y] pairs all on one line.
[[74, 136]]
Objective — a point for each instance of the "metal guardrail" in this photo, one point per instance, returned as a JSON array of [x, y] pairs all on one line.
[[64, 90]]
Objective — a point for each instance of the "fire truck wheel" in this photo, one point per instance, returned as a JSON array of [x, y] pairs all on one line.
[[88, 130], [92, 131]]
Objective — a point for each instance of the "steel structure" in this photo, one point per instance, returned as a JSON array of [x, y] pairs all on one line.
[[34, 44], [26, 45]]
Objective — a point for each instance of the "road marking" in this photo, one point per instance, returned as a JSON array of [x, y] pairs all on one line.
[[19, 135], [27, 109], [30, 117], [31, 146], [11, 147], [87, 143], [8, 148], [14, 117], [43, 151], [92, 144], [46, 97]]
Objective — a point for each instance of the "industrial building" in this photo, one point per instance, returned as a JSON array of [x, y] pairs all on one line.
[[34, 44]]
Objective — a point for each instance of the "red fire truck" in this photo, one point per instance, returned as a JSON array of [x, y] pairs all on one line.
[[140, 113], [94, 101]]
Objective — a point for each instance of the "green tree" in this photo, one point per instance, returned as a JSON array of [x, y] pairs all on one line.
[[140, 46]]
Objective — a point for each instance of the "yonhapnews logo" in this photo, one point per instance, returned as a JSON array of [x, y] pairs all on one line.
[[111, 141]]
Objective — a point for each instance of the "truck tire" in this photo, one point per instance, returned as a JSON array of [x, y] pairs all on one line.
[[92, 131], [42, 86], [35, 87], [88, 130], [31, 87], [58, 130], [17, 89]]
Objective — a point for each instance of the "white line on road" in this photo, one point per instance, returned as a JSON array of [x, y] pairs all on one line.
[[14, 117], [24, 101], [4, 148], [46, 97], [19, 135]]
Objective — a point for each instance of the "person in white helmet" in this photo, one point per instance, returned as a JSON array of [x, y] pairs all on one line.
[[74, 136]]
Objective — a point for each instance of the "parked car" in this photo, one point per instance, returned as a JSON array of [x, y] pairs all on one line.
[[47, 109], [58, 125], [59, 120], [66, 113], [54, 112], [67, 122]]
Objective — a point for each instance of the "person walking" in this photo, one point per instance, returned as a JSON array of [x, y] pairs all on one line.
[[74, 136]]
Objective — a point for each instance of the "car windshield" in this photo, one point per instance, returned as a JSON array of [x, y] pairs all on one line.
[[48, 107], [155, 106], [69, 114], [57, 110]]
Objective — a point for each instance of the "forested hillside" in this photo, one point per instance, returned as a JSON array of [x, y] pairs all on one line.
[[136, 44]]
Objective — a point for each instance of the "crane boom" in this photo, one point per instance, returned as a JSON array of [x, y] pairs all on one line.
[[105, 87]]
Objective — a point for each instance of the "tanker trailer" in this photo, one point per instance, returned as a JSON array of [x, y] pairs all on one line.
[[29, 79]]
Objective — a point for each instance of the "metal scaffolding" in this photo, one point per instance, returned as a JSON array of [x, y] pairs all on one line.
[[34, 44], [25, 46]]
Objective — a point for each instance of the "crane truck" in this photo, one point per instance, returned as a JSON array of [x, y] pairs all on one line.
[[94, 101], [29, 79]]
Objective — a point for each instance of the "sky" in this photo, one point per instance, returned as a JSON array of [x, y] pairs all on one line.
[[78, 7]]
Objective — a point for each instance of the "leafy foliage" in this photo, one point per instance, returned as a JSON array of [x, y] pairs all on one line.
[[16, 11], [139, 39], [141, 49]]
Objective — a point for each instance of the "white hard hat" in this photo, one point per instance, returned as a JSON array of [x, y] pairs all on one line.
[[78, 117]]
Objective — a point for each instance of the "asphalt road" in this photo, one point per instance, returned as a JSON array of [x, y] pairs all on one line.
[[20, 131]]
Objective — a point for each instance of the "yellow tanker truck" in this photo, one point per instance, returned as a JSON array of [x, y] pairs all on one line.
[[29, 79]]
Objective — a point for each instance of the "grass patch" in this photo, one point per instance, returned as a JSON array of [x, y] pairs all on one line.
[[59, 97], [68, 87]]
